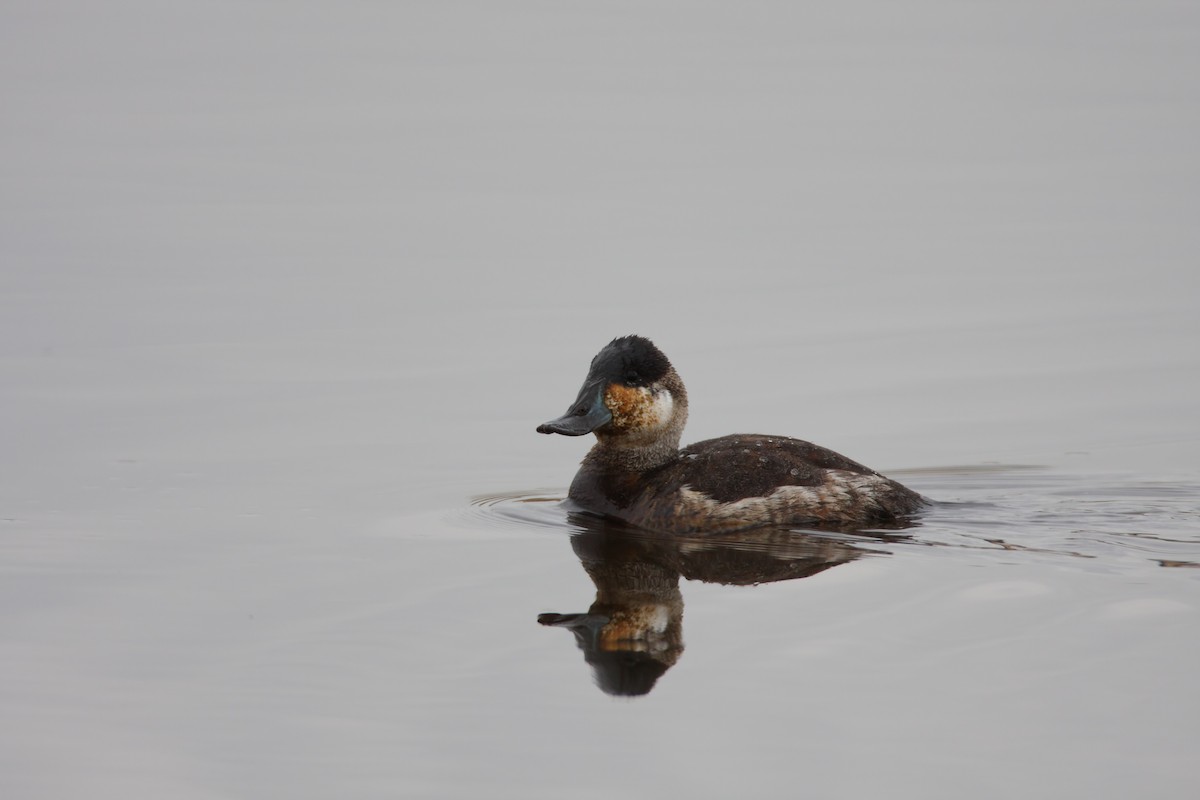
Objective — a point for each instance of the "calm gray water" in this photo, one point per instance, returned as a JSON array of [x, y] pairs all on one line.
[[286, 287]]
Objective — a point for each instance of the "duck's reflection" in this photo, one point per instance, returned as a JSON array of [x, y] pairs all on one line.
[[633, 632]]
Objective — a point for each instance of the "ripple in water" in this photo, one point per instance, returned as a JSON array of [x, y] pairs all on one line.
[[539, 508], [991, 511]]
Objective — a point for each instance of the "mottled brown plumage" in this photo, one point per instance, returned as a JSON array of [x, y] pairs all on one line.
[[636, 472]]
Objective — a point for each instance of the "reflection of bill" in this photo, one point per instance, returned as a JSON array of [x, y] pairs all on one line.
[[633, 632]]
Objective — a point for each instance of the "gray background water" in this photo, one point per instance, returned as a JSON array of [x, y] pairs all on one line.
[[284, 285]]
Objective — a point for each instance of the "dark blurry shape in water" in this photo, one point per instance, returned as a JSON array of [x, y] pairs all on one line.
[[633, 631]]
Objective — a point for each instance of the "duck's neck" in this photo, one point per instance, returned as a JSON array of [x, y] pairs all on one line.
[[609, 457], [626, 453]]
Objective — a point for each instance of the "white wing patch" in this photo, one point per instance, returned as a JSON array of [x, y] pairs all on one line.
[[842, 496]]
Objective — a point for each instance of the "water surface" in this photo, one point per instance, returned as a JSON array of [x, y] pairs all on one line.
[[285, 289]]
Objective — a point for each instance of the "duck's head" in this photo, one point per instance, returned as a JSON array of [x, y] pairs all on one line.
[[632, 396]]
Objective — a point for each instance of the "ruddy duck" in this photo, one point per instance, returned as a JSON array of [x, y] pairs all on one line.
[[635, 403]]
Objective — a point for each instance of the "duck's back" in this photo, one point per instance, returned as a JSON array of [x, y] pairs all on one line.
[[747, 480]]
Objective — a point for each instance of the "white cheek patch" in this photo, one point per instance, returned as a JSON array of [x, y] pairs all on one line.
[[662, 408], [659, 619]]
